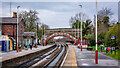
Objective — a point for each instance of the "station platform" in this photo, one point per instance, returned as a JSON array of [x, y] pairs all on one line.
[[13, 54], [70, 60], [86, 58]]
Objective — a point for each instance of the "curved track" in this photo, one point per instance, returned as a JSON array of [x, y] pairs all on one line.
[[53, 60]]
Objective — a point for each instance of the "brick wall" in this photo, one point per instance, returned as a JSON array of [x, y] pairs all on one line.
[[8, 30], [11, 29]]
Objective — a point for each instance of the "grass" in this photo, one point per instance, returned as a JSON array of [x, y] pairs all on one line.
[[117, 56], [99, 48]]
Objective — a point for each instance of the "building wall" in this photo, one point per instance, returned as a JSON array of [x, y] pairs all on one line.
[[21, 32], [11, 30], [0, 29], [8, 30]]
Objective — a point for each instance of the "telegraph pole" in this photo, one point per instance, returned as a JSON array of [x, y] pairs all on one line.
[[17, 26]]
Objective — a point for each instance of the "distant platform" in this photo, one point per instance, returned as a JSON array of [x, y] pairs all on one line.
[[13, 54]]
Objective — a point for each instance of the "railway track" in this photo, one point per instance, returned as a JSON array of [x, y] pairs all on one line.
[[53, 60], [16, 62], [52, 57]]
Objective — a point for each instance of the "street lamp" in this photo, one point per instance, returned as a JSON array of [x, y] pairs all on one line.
[[96, 51], [81, 26], [17, 26], [44, 34], [75, 30], [36, 32]]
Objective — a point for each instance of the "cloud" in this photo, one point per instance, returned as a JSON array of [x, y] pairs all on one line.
[[6, 11], [60, 0], [57, 14], [54, 19]]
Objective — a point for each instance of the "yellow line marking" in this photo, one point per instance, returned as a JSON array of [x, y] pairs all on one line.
[[74, 62]]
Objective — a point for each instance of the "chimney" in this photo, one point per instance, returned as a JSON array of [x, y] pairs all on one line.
[[14, 15]]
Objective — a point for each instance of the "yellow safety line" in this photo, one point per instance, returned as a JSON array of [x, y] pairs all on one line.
[[74, 62]]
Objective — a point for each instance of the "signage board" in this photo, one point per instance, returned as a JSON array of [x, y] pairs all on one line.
[[112, 37]]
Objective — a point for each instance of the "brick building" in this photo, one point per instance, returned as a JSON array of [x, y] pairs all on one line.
[[8, 26]]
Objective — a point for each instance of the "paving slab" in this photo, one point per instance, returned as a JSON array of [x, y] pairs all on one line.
[[12, 54], [87, 58], [71, 58]]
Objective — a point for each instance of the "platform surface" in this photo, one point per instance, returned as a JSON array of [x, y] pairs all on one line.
[[86, 58], [13, 54], [70, 59]]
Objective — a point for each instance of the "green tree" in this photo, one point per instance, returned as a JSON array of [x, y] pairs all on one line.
[[86, 26], [91, 39], [101, 37], [113, 31]]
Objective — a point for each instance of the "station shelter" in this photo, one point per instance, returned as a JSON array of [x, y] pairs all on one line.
[[29, 37], [84, 42]]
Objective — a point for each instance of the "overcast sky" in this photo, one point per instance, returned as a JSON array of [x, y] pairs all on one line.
[[58, 14]]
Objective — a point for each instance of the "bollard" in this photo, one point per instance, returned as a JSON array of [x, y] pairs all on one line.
[[17, 48], [81, 48]]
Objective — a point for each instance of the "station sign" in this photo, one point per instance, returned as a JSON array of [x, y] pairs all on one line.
[[112, 37]]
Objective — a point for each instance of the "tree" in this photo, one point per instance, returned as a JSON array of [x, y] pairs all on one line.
[[86, 26], [30, 20], [91, 39], [44, 26], [105, 12], [103, 19], [101, 37], [77, 17], [113, 31]]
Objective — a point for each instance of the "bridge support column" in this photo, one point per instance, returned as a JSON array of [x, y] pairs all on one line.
[[79, 43]]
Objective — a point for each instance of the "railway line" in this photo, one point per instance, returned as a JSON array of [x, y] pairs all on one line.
[[51, 57]]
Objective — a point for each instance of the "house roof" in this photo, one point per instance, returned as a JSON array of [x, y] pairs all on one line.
[[29, 34], [8, 20]]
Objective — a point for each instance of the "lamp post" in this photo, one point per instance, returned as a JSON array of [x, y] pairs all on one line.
[[96, 51], [17, 26], [43, 33], [75, 30], [36, 32], [81, 26], [78, 31]]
